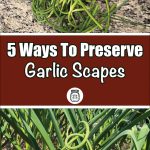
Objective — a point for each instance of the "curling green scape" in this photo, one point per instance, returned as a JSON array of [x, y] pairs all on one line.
[[75, 129], [78, 16]]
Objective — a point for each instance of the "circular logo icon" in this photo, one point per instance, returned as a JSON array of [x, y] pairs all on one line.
[[75, 95]]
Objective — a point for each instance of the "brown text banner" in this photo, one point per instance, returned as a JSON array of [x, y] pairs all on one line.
[[109, 69]]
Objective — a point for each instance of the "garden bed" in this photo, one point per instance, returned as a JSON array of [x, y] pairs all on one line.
[[17, 16]]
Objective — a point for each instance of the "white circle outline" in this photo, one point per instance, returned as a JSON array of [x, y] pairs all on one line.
[[69, 92]]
